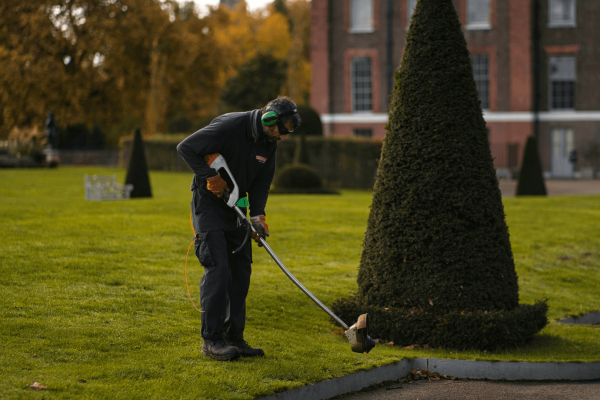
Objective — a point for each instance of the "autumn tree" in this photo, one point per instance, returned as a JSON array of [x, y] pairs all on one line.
[[120, 64], [298, 85]]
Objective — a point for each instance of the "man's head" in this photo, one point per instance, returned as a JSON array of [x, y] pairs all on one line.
[[280, 117]]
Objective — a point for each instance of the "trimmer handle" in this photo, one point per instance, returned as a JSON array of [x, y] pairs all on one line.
[[219, 163]]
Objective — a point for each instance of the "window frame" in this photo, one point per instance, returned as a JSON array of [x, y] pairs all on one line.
[[371, 27], [550, 81], [488, 81], [562, 24], [353, 102], [479, 26]]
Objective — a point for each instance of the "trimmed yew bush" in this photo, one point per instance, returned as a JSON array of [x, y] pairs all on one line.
[[137, 170], [437, 244], [531, 179]]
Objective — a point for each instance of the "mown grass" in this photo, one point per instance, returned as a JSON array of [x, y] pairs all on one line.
[[93, 300]]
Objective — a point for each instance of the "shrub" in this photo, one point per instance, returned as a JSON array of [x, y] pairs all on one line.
[[531, 180], [436, 233], [137, 171], [298, 178], [311, 122]]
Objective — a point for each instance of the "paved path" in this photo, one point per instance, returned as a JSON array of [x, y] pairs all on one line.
[[556, 187], [496, 390], [472, 390]]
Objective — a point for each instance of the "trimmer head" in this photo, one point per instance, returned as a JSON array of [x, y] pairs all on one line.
[[357, 334]]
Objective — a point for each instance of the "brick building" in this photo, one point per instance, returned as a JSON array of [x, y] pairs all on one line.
[[536, 64]]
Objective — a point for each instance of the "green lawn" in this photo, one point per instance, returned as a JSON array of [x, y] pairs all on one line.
[[93, 300]]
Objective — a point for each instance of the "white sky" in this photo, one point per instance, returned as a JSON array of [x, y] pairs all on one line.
[[252, 4]]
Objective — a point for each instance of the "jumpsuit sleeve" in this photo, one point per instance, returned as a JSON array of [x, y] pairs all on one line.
[[208, 140], [259, 191]]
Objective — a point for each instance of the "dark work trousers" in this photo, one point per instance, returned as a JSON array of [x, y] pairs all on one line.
[[224, 286]]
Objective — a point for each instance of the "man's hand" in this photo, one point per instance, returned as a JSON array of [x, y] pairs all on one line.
[[217, 185], [261, 228]]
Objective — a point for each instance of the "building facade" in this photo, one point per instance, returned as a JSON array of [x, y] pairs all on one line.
[[536, 64]]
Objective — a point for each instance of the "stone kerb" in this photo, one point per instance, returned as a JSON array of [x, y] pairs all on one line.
[[462, 369]]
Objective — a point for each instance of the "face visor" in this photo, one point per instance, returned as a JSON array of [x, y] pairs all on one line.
[[285, 117], [282, 129]]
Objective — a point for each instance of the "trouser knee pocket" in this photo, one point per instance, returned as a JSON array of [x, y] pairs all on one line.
[[203, 250]]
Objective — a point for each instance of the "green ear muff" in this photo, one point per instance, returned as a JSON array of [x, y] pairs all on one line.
[[269, 118]]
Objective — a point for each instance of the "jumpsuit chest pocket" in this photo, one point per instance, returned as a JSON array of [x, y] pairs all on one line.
[[202, 249]]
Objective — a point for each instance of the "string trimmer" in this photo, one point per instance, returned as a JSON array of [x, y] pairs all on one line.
[[357, 334]]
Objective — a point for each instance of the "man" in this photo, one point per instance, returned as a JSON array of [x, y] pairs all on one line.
[[247, 141]]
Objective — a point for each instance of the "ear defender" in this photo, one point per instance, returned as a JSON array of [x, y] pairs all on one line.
[[269, 118]]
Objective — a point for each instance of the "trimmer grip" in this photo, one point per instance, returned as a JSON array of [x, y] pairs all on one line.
[[217, 162]]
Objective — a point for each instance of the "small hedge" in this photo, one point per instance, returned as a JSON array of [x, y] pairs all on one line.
[[482, 330], [342, 162], [299, 178]]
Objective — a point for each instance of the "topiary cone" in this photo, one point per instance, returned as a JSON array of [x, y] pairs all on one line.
[[531, 179], [137, 170], [437, 266]]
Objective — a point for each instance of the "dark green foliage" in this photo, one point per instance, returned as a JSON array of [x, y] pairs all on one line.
[[531, 179], [97, 139], [298, 178], [137, 171], [281, 7], [301, 153], [204, 121], [180, 124], [79, 137], [311, 122], [183, 124], [436, 231], [482, 329], [258, 81], [73, 137]]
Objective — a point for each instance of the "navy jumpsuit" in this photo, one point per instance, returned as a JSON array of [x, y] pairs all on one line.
[[240, 139]]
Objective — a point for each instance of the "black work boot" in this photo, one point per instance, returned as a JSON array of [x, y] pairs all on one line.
[[219, 350], [245, 349]]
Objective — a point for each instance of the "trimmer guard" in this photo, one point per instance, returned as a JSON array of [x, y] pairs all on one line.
[[358, 336]]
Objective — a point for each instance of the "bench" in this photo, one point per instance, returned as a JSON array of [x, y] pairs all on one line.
[[103, 187]]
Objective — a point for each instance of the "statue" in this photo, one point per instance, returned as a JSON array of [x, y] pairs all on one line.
[[51, 131]]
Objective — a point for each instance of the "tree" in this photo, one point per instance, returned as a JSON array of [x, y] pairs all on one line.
[[298, 84], [437, 266], [258, 81], [137, 170], [124, 63], [531, 179]]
